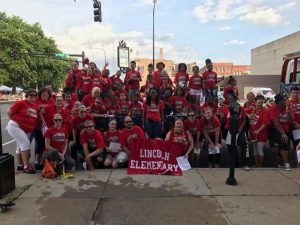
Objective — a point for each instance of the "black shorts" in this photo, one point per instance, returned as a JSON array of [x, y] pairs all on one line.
[[275, 136]]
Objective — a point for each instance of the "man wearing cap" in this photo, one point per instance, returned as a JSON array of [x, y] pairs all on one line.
[[280, 124]]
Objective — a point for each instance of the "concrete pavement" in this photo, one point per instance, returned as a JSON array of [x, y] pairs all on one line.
[[200, 196]]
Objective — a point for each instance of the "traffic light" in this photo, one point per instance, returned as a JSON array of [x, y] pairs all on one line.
[[97, 11], [61, 55], [13, 54]]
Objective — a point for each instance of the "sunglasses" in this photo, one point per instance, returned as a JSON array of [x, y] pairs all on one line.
[[89, 126], [33, 95], [191, 115], [128, 121], [83, 111], [57, 120]]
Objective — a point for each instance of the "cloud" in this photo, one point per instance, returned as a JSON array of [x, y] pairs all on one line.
[[266, 16], [166, 37], [224, 28], [249, 11], [234, 42]]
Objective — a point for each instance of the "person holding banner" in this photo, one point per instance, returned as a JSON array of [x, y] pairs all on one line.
[[129, 133], [179, 136], [153, 114]]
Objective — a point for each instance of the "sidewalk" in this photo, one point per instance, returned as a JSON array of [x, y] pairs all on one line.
[[200, 196]]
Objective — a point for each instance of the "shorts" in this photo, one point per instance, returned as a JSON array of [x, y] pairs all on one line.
[[195, 92], [21, 138], [258, 148], [275, 136], [211, 92]]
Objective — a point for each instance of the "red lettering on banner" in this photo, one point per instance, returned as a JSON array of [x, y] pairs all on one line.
[[151, 156]]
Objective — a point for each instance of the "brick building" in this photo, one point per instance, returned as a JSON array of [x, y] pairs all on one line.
[[227, 69]]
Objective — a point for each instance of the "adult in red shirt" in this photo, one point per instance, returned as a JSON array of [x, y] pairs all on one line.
[[129, 133], [241, 139], [56, 138], [106, 82], [182, 77], [111, 135], [182, 137], [278, 132], [44, 100], [116, 80], [23, 116], [132, 80], [86, 83], [96, 79], [210, 126], [93, 144], [153, 114], [259, 120], [77, 126], [68, 101], [98, 111], [88, 100], [293, 105]]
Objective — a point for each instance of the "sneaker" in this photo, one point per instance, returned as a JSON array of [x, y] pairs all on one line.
[[20, 167], [29, 170], [247, 168], [287, 167], [38, 166]]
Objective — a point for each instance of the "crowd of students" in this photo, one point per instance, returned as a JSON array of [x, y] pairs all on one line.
[[98, 112]]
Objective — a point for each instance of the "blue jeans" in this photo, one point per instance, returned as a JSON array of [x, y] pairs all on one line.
[[153, 129]]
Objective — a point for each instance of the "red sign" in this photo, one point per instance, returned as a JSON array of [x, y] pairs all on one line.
[[151, 156]]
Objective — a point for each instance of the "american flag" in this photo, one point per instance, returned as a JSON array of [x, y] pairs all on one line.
[[140, 69]]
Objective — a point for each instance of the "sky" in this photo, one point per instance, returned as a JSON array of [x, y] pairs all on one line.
[[188, 30]]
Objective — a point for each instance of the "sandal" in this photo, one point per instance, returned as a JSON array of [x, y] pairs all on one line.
[[29, 170]]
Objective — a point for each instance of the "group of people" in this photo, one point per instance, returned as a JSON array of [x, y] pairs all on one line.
[[98, 116]]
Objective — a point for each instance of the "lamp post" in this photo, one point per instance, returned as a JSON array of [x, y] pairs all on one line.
[[154, 3]]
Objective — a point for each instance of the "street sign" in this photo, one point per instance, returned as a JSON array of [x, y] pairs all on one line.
[[62, 55], [123, 55]]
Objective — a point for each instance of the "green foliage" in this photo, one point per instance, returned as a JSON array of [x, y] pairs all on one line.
[[28, 71]]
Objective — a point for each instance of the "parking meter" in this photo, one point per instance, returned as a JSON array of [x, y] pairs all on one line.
[[234, 123]]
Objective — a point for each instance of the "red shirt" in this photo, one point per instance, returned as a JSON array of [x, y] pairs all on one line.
[[98, 109], [127, 135], [86, 83], [249, 106], [57, 138], [149, 84], [210, 126], [153, 111], [77, 74], [228, 88], [257, 118], [181, 77], [88, 100], [209, 79], [294, 107], [111, 137], [196, 82], [193, 128], [123, 107], [115, 82], [50, 111], [24, 114], [136, 108], [78, 123], [280, 115], [225, 111], [106, 84], [178, 103], [96, 81], [94, 140], [181, 138], [68, 105], [133, 79]]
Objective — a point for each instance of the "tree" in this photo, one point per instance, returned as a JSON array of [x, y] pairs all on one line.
[[27, 71]]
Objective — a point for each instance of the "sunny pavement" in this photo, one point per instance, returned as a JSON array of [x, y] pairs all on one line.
[[200, 196]]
